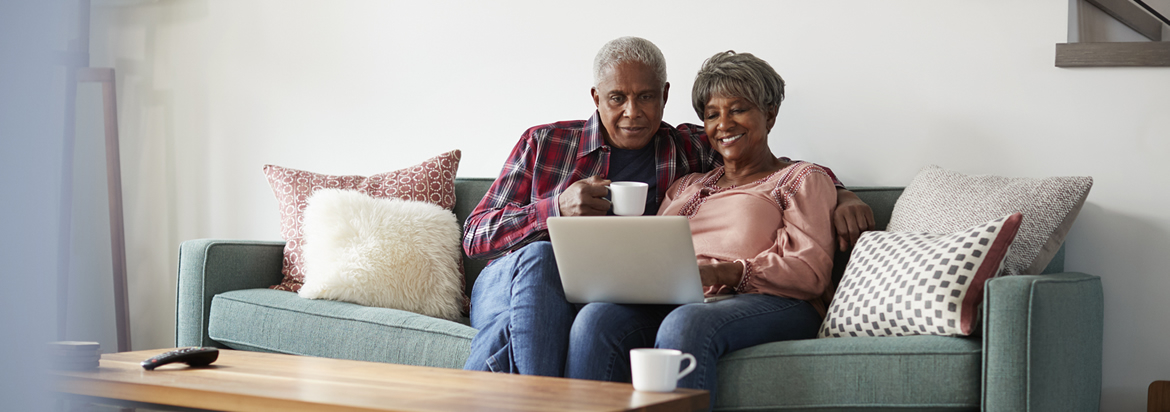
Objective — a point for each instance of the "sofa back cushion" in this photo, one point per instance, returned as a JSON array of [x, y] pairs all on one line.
[[881, 200], [469, 191]]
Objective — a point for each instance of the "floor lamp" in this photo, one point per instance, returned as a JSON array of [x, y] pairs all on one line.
[[79, 72]]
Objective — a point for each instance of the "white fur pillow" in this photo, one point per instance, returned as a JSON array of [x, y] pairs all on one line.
[[390, 253]]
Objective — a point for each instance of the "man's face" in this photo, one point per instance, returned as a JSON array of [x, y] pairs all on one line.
[[630, 101]]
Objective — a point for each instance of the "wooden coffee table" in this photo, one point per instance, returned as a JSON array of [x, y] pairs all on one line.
[[253, 381]]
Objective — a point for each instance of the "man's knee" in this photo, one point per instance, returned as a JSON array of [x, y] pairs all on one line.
[[531, 260], [590, 320], [536, 263], [536, 250]]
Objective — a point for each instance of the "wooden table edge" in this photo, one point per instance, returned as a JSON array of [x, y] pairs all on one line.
[[78, 384]]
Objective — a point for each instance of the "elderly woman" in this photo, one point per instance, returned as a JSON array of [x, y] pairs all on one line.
[[762, 229]]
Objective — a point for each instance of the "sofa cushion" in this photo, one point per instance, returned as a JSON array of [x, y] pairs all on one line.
[[277, 321], [432, 181], [916, 372], [900, 284], [389, 253], [943, 201]]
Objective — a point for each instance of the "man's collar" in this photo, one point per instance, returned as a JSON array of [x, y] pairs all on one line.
[[593, 139]]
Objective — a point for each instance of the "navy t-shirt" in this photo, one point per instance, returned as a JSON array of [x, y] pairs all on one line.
[[635, 166]]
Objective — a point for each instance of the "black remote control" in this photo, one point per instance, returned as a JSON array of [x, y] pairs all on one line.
[[193, 356]]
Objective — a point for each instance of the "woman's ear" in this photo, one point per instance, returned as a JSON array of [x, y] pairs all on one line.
[[771, 113]]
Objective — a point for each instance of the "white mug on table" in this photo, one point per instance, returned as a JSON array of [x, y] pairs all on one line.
[[657, 370]]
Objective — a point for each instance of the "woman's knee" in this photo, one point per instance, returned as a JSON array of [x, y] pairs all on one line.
[[683, 327]]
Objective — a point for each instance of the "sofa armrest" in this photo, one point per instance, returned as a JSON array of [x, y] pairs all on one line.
[[208, 267], [1042, 339]]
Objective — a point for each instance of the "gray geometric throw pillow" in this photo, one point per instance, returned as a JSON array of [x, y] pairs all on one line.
[[943, 201], [901, 283]]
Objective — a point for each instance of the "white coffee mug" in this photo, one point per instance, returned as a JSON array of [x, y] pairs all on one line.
[[628, 198], [656, 370]]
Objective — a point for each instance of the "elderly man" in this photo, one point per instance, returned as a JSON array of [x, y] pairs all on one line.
[[561, 169]]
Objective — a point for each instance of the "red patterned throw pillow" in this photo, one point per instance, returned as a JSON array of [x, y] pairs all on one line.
[[431, 181]]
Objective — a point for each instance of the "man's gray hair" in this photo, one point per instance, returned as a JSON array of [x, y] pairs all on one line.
[[626, 49], [737, 75]]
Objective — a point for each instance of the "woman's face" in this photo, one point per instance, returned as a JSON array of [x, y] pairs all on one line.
[[737, 129]]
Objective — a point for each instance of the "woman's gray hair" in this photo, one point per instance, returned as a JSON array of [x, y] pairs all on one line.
[[628, 49], [737, 75]]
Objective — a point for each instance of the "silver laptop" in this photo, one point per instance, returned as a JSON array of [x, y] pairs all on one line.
[[626, 259]]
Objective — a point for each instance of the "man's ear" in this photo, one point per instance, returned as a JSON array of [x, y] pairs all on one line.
[[665, 92], [596, 98], [772, 112]]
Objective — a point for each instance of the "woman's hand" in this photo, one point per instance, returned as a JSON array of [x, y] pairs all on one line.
[[850, 218], [724, 273]]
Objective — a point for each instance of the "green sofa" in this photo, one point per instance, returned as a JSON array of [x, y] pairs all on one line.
[[1039, 348]]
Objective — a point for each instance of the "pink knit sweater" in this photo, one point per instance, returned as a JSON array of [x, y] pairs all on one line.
[[780, 227]]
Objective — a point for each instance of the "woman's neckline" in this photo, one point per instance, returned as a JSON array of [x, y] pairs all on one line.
[[723, 172], [713, 183]]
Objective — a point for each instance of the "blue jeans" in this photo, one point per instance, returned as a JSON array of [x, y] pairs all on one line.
[[519, 307], [604, 333]]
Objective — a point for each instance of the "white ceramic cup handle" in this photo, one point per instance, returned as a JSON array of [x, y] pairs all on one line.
[[691, 367]]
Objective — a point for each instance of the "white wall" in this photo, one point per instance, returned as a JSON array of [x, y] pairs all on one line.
[[212, 90]]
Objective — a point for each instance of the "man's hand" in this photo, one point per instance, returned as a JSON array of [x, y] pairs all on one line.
[[721, 274], [585, 198], [850, 218]]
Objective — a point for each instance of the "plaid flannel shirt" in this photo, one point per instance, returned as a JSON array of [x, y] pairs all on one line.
[[547, 159]]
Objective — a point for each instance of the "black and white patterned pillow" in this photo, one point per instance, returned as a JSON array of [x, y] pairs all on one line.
[[901, 283]]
